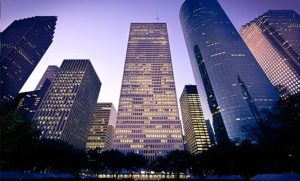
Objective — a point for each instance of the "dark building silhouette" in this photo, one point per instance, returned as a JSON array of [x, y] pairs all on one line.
[[233, 88], [49, 74], [274, 40], [23, 44], [67, 109], [27, 103]]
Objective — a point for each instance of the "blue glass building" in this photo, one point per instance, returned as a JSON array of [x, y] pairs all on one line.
[[23, 44], [233, 88]]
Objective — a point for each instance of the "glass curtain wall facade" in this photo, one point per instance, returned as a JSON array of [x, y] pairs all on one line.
[[102, 127], [148, 119], [274, 40], [67, 109], [232, 87], [23, 44], [197, 138]]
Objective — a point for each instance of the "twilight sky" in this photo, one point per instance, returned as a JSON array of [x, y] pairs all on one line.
[[98, 30]]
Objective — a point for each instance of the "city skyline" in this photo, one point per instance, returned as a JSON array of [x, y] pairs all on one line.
[[150, 89], [116, 23]]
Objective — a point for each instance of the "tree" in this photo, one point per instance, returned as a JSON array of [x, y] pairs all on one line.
[[178, 161], [21, 148], [94, 158], [279, 135], [133, 162], [57, 155], [18, 141], [113, 160]]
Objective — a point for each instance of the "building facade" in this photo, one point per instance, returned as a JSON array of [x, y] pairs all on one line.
[[274, 40], [197, 138], [102, 128], [67, 109], [23, 44], [233, 89], [49, 74], [27, 103], [148, 119]]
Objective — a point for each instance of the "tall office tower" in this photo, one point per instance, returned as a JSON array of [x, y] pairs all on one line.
[[148, 121], [101, 132], [197, 138], [274, 40], [68, 106], [27, 103], [233, 88], [49, 74], [23, 44]]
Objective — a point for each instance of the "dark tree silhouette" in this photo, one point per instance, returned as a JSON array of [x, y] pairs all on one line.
[[113, 160], [18, 141], [133, 162], [178, 161]]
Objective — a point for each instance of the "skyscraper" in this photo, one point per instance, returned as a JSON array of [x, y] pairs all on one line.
[[102, 127], [148, 121], [23, 44], [67, 109], [274, 40], [197, 138], [233, 88], [27, 103], [49, 74]]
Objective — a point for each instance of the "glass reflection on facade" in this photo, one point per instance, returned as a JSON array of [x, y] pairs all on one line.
[[67, 109], [274, 40], [229, 80], [23, 44], [102, 128], [148, 121], [197, 138]]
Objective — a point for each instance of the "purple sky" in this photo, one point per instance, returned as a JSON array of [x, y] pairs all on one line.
[[98, 30]]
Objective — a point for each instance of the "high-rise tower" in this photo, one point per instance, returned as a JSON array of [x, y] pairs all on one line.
[[23, 44], [233, 88], [274, 40], [197, 138], [102, 127], [148, 121], [49, 74], [27, 103], [67, 109]]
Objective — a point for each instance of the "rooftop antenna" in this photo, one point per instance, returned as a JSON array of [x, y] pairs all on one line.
[[157, 18]]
